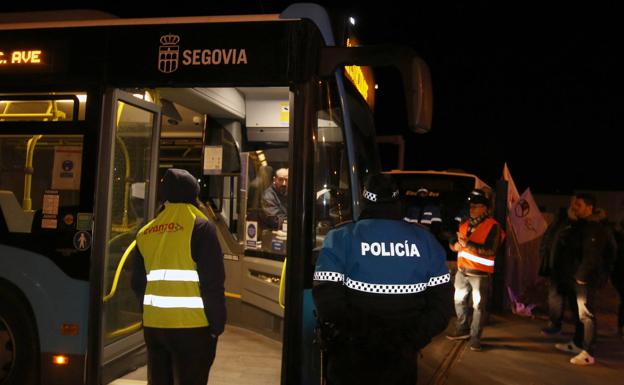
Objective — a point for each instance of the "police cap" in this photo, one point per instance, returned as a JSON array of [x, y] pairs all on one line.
[[380, 188], [478, 196]]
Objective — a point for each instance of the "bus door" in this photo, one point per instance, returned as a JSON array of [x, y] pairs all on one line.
[[125, 200]]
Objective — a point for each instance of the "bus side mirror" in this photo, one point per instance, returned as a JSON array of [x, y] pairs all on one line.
[[414, 72], [418, 95]]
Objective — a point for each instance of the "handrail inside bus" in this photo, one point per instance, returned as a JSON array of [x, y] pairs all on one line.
[[28, 171], [124, 226], [282, 287], [52, 99], [127, 330], [118, 271]]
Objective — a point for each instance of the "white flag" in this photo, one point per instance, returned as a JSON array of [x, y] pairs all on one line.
[[526, 218], [512, 191]]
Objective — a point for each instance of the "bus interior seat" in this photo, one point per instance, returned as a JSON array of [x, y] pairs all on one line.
[[17, 219]]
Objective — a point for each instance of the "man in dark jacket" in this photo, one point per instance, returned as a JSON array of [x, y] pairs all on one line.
[[179, 275], [593, 248], [382, 291], [274, 200], [558, 265]]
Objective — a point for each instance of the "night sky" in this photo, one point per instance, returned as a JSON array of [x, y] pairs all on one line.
[[525, 83]]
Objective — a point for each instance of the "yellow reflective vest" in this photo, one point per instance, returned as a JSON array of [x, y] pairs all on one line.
[[172, 297]]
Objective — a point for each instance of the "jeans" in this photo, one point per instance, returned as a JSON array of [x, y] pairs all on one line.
[[586, 330], [558, 293], [479, 287]]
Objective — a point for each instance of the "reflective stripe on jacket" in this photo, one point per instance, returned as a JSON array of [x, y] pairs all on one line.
[[467, 257], [172, 296]]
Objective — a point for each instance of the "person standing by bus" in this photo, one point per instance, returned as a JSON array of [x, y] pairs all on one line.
[[558, 264], [424, 211], [179, 272], [476, 244], [382, 291], [594, 247]]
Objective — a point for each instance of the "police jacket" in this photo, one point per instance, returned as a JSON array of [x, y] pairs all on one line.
[[425, 215], [383, 275]]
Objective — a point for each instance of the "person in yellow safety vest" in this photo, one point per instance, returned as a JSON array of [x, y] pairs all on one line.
[[179, 274], [476, 244]]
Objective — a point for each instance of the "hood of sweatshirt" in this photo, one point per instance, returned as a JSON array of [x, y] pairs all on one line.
[[179, 186]]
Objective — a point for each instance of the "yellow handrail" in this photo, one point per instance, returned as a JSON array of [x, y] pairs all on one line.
[[233, 295], [128, 329], [124, 150], [118, 271], [28, 170], [280, 296]]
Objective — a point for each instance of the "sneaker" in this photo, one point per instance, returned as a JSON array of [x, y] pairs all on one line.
[[569, 347], [583, 358], [458, 336], [551, 331], [475, 346]]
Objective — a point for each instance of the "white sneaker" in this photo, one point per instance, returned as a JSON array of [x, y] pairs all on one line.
[[583, 358], [569, 347]]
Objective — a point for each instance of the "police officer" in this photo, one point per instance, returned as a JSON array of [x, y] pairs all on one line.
[[382, 291], [179, 273], [424, 211], [476, 244]]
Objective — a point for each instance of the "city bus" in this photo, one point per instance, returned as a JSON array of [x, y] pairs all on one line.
[[92, 111]]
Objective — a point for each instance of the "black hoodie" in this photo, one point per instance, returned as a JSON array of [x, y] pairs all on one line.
[[179, 186]]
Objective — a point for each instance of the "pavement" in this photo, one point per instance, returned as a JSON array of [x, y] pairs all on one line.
[[515, 352]]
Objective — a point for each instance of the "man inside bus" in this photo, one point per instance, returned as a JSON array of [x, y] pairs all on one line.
[[274, 200], [179, 275], [382, 291]]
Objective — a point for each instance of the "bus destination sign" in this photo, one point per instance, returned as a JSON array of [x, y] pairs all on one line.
[[22, 58]]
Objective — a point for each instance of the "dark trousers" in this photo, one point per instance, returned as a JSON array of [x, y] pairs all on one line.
[[558, 294], [179, 356], [586, 319], [356, 365], [479, 288]]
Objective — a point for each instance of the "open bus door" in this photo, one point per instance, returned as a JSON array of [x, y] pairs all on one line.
[[125, 200]]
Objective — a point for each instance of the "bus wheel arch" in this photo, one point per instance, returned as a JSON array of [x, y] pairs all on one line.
[[19, 341]]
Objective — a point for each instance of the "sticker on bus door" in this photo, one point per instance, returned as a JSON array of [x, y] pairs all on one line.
[[251, 234], [67, 168], [49, 209], [213, 160], [82, 240]]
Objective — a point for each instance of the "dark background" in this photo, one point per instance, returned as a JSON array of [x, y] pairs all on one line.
[[532, 84]]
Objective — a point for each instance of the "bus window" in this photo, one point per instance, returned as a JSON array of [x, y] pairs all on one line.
[[39, 182], [331, 166], [53, 106]]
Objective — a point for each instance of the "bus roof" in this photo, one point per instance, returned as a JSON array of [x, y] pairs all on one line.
[[478, 182], [12, 21]]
